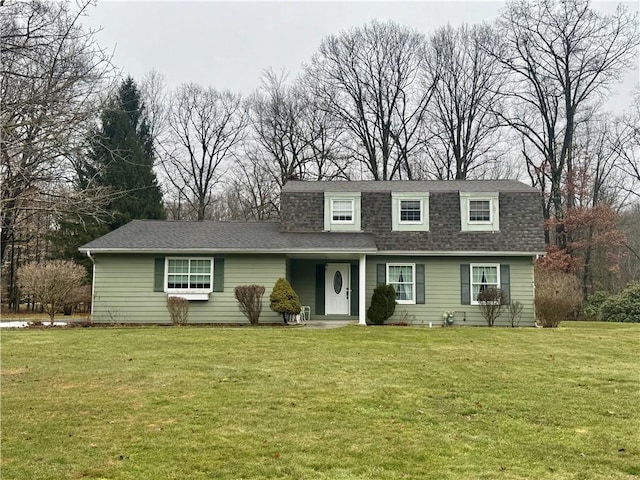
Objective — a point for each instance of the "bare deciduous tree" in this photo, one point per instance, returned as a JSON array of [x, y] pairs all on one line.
[[374, 81], [561, 56], [52, 72], [205, 127], [461, 119], [53, 283], [626, 143]]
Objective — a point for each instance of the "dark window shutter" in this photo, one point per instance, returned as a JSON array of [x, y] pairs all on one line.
[[355, 289], [381, 274], [465, 287], [505, 281], [420, 283], [320, 271], [218, 274], [158, 274]]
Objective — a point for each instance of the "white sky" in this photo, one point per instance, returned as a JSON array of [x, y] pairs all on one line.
[[228, 45]]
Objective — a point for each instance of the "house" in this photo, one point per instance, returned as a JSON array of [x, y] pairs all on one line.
[[439, 243]]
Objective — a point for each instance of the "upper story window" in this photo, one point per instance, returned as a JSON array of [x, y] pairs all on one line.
[[479, 212], [189, 275], [342, 211], [410, 211]]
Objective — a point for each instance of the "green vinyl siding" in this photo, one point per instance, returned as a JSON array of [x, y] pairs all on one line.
[[124, 290], [442, 276]]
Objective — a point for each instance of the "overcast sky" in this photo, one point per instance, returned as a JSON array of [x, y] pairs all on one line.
[[228, 45]]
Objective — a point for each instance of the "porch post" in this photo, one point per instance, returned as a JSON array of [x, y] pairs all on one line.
[[362, 290]]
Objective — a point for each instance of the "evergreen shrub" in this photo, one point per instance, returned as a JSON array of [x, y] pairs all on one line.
[[592, 310], [383, 304], [284, 300], [624, 307]]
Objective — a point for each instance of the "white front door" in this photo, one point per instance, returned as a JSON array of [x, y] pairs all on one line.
[[336, 289]]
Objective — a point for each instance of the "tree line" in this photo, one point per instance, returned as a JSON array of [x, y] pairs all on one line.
[[83, 151]]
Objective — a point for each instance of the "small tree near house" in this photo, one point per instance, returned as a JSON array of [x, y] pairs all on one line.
[[52, 283], [491, 301], [284, 299], [250, 301]]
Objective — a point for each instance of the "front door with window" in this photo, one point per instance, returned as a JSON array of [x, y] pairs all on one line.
[[337, 289]]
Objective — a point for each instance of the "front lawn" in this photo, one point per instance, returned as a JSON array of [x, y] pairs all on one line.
[[349, 403]]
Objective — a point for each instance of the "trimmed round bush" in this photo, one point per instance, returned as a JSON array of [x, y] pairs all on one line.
[[284, 299]]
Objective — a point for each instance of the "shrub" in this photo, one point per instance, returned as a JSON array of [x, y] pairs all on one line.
[[593, 308], [491, 300], [624, 307], [515, 312], [250, 301], [52, 283], [557, 295], [383, 304], [284, 300], [178, 310]]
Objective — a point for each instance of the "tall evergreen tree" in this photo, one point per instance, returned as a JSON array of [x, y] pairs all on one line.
[[123, 156]]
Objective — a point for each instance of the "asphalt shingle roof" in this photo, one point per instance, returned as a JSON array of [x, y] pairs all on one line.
[[210, 236]]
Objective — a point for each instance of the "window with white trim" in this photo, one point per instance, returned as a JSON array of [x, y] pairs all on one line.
[[479, 212], [342, 210], [189, 275], [410, 211], [483, 277], [403, 279]]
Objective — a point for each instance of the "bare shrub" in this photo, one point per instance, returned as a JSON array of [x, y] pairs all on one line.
[[52, 283], [515, 312], [250, 301], [557, 295], [178, 310], [79, 300], [491, 301]]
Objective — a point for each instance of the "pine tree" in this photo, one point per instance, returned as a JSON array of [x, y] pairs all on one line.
[[123, 157]]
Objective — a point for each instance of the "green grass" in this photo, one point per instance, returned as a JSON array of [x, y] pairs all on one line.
[[349, 403]]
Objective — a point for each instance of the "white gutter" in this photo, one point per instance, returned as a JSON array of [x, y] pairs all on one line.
[[162, 251]]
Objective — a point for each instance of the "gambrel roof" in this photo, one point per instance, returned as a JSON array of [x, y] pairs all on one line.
[[410, 186]]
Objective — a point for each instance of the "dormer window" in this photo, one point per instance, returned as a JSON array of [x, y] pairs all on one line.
[[410, 211], [342, 212], [479, 212]]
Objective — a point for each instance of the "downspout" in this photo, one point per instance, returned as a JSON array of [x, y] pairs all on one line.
[[93, 281]]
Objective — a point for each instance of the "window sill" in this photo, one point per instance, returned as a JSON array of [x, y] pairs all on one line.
[[189, 296]]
